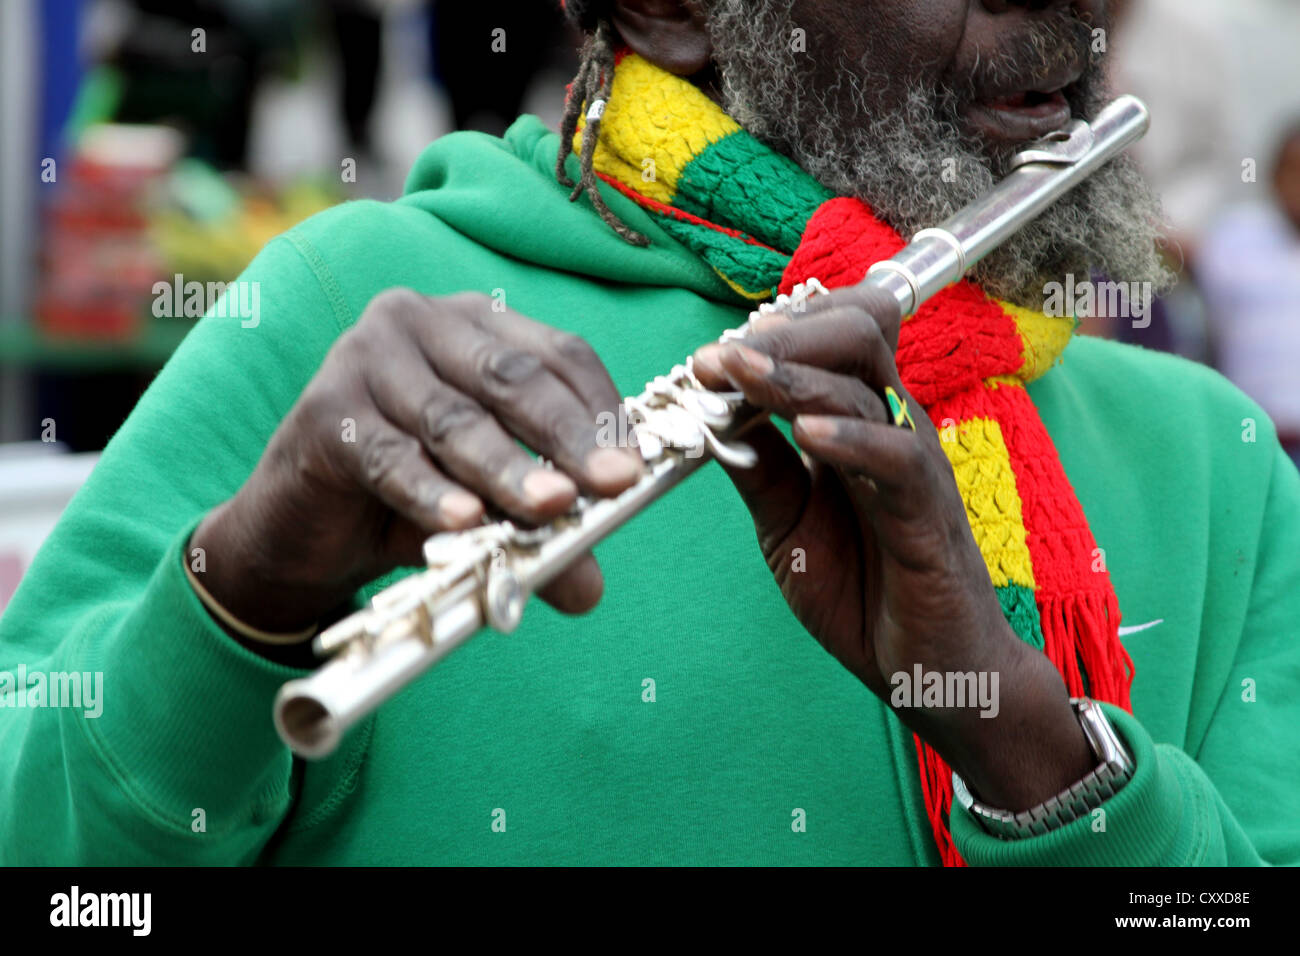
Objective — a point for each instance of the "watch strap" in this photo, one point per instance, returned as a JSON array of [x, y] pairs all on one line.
[[1115, 768]]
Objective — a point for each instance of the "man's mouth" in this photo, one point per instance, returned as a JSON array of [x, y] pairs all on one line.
[[1018, 116]]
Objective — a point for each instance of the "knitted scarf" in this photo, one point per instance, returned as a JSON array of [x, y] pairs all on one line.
[[763, 224]]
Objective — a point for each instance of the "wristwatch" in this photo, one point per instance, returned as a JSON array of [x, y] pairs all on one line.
[[1114, 770]]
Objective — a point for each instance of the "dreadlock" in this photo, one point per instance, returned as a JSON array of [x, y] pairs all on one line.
[[591, 87]]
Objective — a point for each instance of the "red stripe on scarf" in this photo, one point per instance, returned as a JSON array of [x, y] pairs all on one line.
[[956, 340], [839, 237]]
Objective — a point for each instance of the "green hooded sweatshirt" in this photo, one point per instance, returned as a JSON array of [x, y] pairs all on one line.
[[689, 719]]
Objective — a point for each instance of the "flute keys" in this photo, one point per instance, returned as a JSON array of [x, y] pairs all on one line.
[[504, 600], [794, 302], [680, 429], [448, 549], [709, 407], [649, 443]]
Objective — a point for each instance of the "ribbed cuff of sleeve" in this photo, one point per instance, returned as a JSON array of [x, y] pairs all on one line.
[[1139, 826], [186, 716]]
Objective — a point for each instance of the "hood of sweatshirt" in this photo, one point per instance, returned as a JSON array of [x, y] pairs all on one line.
[[503, 194]]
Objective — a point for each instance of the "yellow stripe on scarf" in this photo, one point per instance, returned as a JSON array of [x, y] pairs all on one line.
[[755, 295], [641, 135], [1044, 337], [982, 466]]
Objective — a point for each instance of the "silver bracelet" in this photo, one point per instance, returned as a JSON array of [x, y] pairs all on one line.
[[1078, 800]]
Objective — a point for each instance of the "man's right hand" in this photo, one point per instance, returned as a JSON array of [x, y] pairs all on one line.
[[409, 428]]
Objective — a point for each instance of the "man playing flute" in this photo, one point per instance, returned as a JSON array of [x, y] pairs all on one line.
[[1017, 597]]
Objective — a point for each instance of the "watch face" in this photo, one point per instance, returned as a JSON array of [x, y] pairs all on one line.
[[961, 794], [1105, 743]]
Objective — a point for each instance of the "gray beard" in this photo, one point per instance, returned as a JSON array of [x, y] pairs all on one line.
[[914, 167]]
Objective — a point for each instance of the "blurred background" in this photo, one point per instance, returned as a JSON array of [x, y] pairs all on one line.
[[142, 139]]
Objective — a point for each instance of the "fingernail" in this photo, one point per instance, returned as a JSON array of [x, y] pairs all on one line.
[[769, 320], [757, 361], [544, 485], [815, 426], [459, 508], [709, 360], [612, 466]]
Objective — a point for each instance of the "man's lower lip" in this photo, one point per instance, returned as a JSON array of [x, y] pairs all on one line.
[[1018, 124]]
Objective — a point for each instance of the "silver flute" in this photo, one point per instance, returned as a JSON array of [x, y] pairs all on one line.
[[483, 577]]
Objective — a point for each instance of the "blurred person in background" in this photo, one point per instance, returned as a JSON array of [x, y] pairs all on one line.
[[357, 31], [1171, 53], [1249, 267], [204, 85], [1222, 81], [487, 55]]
